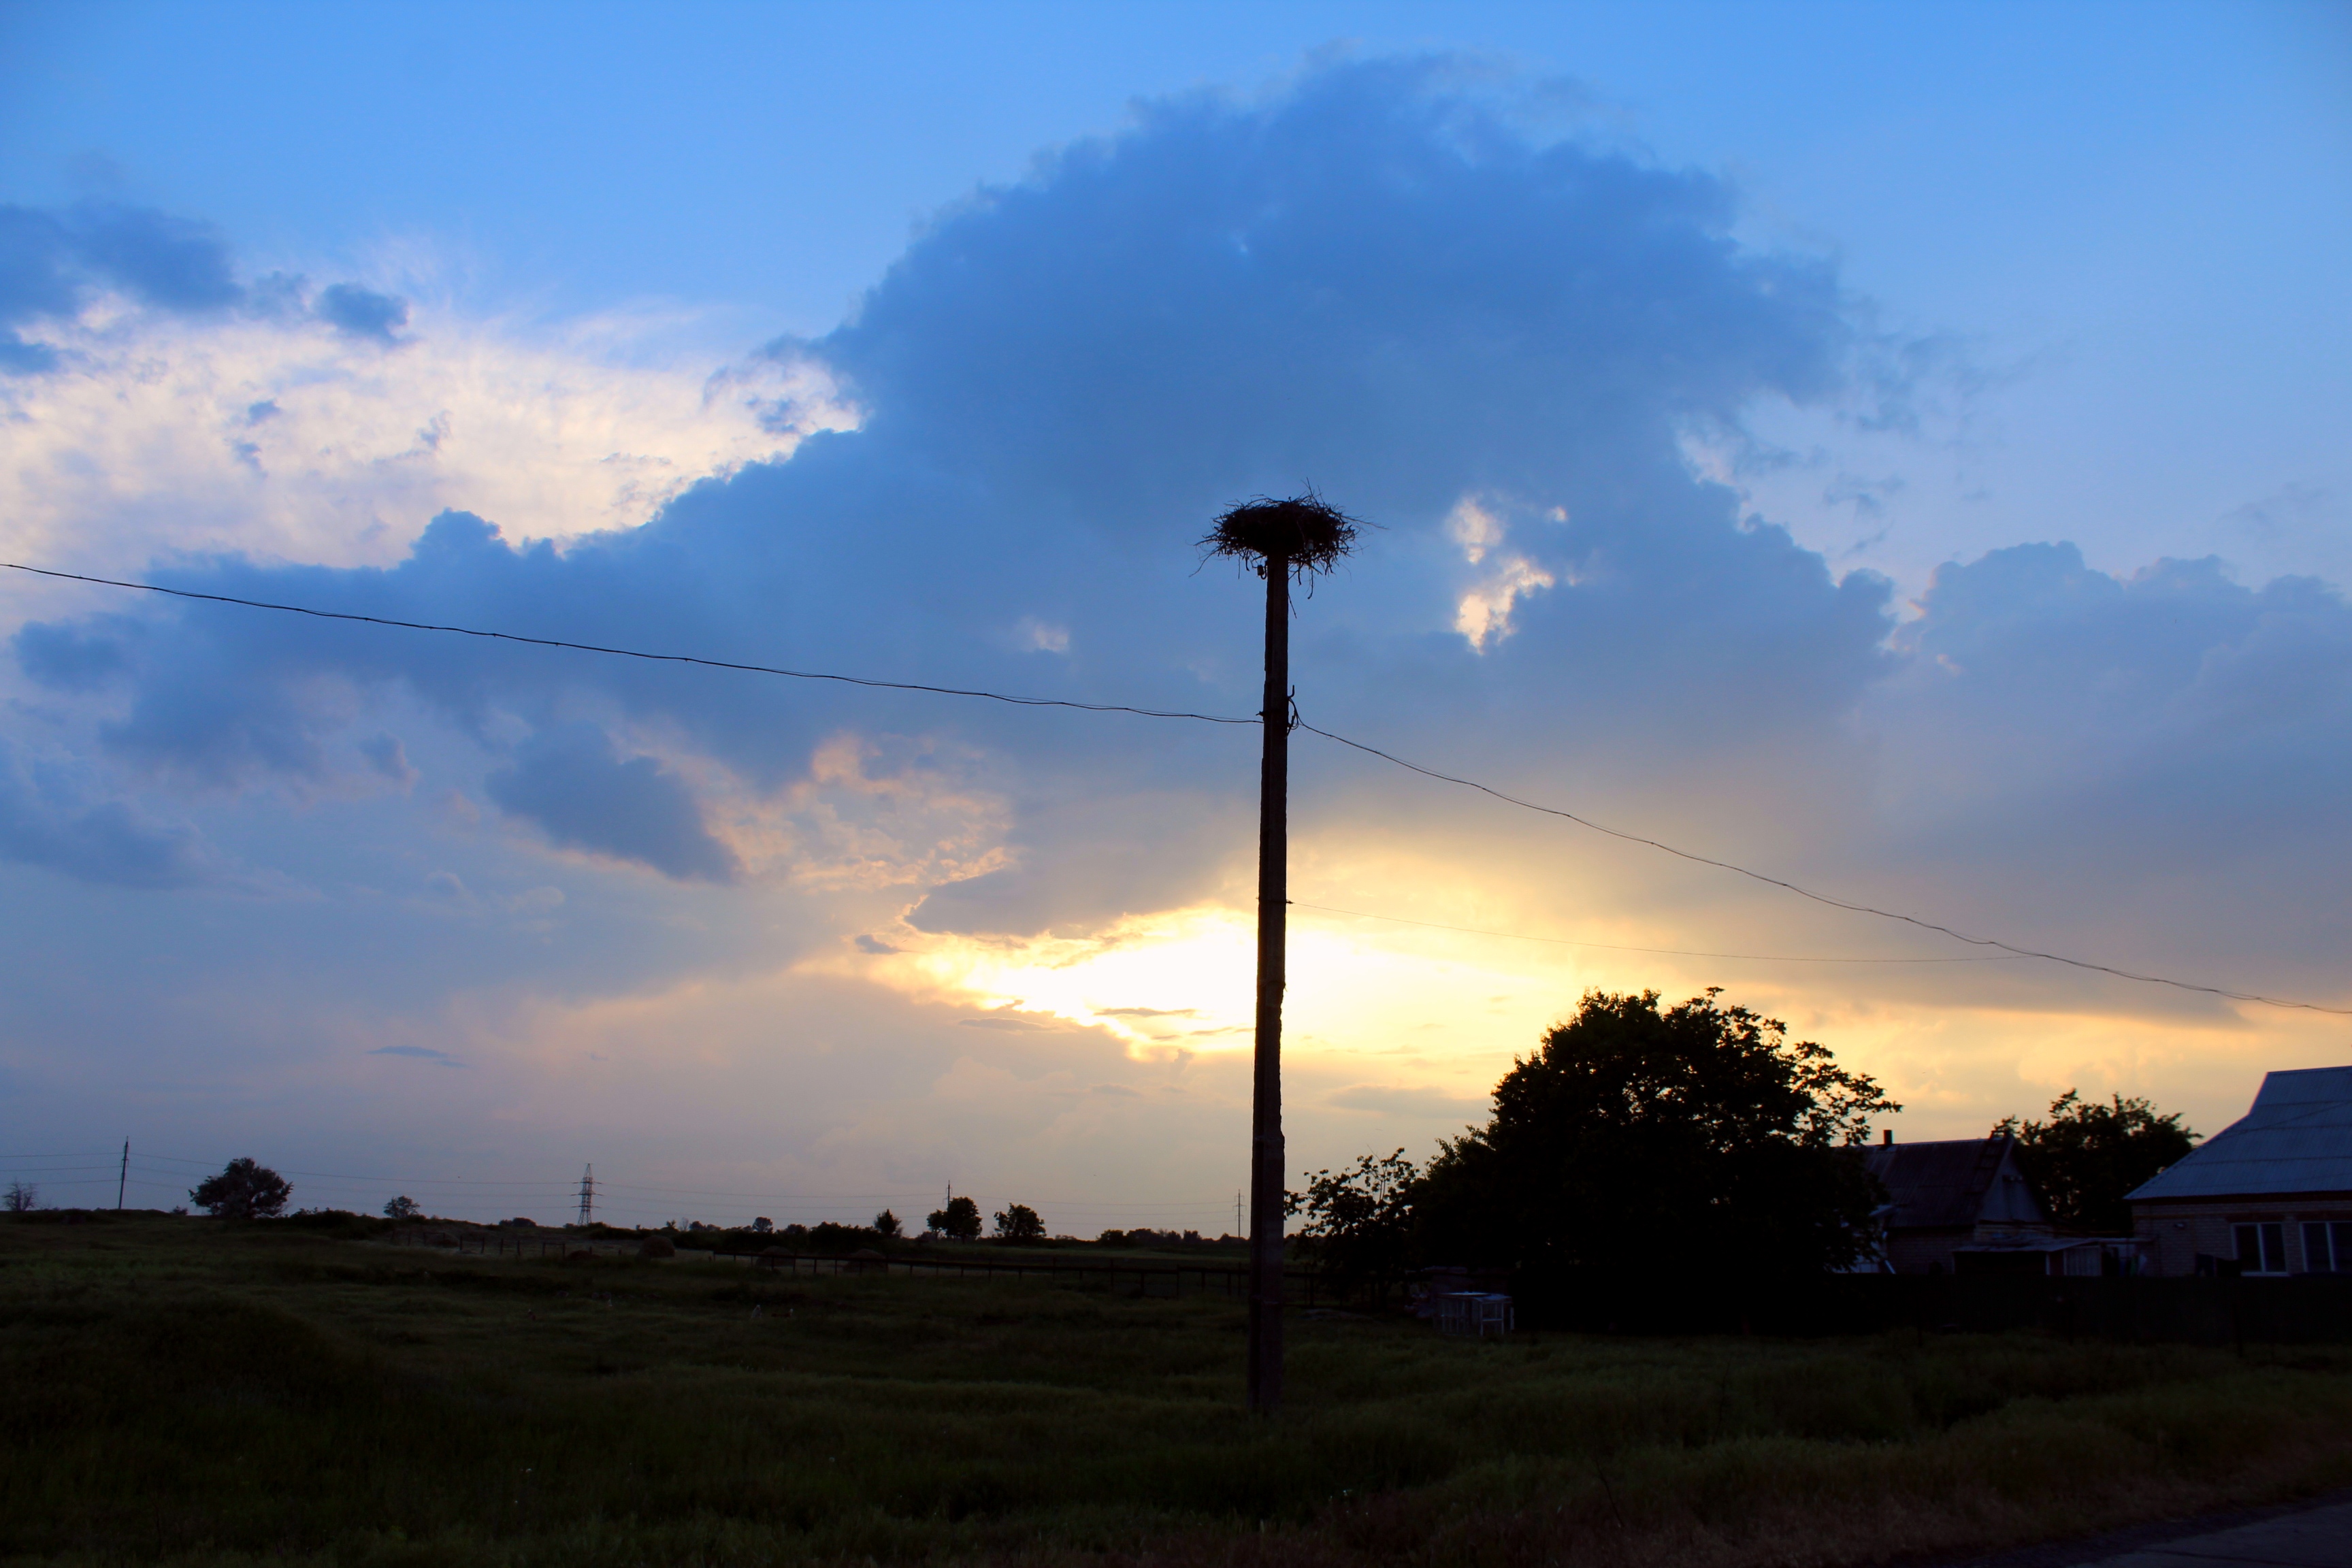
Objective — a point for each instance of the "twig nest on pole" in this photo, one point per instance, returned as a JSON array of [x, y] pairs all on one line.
[[1304, 533]]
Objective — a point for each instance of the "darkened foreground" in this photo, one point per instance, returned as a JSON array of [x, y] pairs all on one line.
[[186, 1391]]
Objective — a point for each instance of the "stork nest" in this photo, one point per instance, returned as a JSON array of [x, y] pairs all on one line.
[[1305, 533]]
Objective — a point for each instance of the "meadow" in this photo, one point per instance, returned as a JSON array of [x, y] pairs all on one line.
[[181, 1390]]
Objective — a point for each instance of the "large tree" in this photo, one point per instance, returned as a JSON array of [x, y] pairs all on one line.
[[1694, 1139], [960, 1221], [243, 1190], [2087, 1156]]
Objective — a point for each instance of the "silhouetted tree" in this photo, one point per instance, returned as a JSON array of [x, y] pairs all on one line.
[[2087, 1156], [1359, 1222], [960, 1220], [403, 1207], [243, 1190], [1694, 1139], [886, 1223], [1019, 1222], [22, 1198]]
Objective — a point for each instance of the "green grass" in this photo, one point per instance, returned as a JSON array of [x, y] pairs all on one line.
[[174, 1390]]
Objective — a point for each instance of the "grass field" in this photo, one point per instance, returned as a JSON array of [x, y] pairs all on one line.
[[177, 1390]]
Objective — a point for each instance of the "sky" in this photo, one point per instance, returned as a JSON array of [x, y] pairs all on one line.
[[1894, 450]]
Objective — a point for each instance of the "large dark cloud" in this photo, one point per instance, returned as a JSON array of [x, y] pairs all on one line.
[[1373, 282]]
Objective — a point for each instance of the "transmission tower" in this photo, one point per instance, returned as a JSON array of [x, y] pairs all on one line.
[[587, 1194]]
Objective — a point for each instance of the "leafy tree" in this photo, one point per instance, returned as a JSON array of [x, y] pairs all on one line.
[[2087, 1156], [960, 1220], [243, 1190], [22, 1198], [1691, 1139], [886, 1224], [1019, 1222], [403, 1207], [1359, 1222]]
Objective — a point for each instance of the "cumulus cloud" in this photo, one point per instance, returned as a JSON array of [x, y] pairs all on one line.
[[270, 418]]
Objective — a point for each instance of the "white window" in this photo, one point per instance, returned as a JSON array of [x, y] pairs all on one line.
[[2262, 1248], [2326, 1248]]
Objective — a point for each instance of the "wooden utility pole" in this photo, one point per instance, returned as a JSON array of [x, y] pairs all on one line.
[[1267, 1163], [122, 1178], [1279, 540]]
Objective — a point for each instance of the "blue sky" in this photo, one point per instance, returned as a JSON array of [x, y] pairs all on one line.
[[1899, 449]]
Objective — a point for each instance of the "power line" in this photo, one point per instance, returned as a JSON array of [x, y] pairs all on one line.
[[1615, 947], [1824, 898], [635, 653], [1207, 719]]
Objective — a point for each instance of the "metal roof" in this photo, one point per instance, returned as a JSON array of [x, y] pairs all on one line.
[[2297, 1139]]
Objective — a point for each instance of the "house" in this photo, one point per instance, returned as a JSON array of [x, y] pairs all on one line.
[[1954, 1196], [2270, 1194]]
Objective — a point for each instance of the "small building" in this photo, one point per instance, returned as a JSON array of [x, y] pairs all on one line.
[[2270, 1194], [1955, 1195]]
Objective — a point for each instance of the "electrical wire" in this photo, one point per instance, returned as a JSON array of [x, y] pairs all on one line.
[[1674, 952], [1824, 898], [635, 653], [1296, 722]]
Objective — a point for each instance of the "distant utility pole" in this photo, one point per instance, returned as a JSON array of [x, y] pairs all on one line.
[[1278, 540], [587, 1194], [122, 1177], [1237, 1211]]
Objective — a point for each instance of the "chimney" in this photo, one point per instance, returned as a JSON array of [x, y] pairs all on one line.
[[1887, 1135]]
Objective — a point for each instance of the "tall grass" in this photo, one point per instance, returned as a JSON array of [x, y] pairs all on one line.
[[174, 1391]]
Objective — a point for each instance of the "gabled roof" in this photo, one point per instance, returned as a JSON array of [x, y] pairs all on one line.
[[1954, 1183], [2297, 1139]]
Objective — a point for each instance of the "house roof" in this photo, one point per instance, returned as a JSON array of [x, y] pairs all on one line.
[[2297, 1139], [1953, 1183]]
